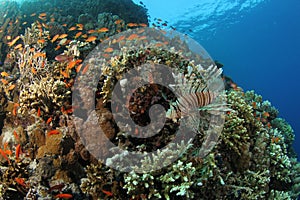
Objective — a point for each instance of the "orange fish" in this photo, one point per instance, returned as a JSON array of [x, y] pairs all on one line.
[[143, 25], [71, 64], [42, 41], [275, 139], [132, 36], [108, 193], [19, 46], [85, 69], [91, 39], [72, 28], [21, 181], [78, 61], [33, 14], [109, 50], [53, 132], [103, 30], [78, 35], [4, 155], [266, 114], [11, 87], [39, 54], [39, 112], [78, 68], [62, 36], [14, 111], [16, 136], [64, 25], [4, 74], [18, 151], [254, 104], [13, 41], [5, 82], [91, 31], [159, 44], [132, 24], [55, 38], [136, 131], [49, 120], [63, 196], [58, 47], [43, 15]]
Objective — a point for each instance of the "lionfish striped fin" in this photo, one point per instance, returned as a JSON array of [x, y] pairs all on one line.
[[194, 101]]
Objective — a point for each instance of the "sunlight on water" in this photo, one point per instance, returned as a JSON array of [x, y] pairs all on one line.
[[205, 15]]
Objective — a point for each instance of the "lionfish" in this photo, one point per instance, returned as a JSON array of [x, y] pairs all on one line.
[[197, 95]]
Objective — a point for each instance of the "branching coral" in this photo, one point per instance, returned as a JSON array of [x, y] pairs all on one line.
[[286, 131], [248, 185], [99, 178], [177, 180], [295, 174], [239, 129]]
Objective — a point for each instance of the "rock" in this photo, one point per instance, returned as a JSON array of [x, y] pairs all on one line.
[[52, 146]]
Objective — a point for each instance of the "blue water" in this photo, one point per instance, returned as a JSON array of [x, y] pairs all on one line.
[[257, 41], [262, 52]]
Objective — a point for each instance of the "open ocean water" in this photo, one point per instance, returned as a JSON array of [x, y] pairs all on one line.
[[257, 41]]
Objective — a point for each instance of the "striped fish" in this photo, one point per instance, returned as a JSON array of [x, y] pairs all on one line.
[[196, 96], [193, 101]]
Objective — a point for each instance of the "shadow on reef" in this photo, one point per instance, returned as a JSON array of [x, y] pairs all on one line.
[[43, 45]]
